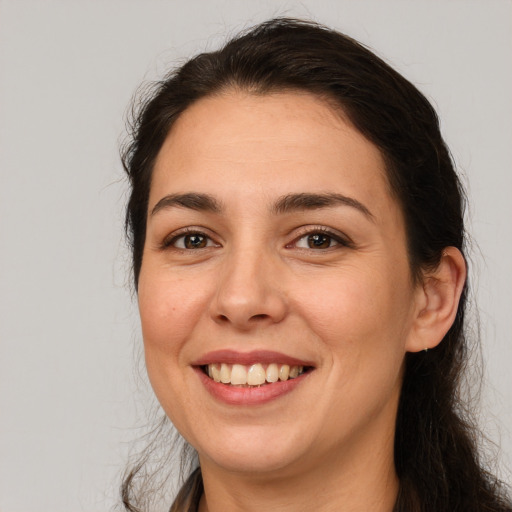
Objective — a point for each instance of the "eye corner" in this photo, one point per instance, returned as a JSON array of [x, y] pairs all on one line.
[[319, 239], [189, 239]]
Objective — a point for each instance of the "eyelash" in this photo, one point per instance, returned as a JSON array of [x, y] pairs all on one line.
[[170, 242], [340, 240]]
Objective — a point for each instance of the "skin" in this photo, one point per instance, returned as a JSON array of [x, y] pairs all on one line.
[[351, 308]]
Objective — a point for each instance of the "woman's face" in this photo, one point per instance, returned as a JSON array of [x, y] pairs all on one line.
[[274, 247]]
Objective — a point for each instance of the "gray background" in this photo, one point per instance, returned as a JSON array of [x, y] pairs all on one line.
[[71, 393]]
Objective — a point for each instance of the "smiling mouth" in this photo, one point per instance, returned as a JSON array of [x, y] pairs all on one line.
[[254, 375]]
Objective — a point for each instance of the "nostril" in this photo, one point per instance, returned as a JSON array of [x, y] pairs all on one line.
[[252, 320], [249, 309], [263, 316], [259, 317]]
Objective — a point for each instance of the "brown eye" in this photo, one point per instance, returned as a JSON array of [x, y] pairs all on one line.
[[319, 241], [195, 241], [192, 241]]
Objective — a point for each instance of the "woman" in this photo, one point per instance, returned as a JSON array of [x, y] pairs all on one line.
[[298, 253]]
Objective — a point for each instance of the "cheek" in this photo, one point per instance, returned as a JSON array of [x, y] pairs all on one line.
[[363, 318], [169, 309], [354, 302]]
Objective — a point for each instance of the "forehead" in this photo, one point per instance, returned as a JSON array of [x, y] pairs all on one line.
[[239, 144]]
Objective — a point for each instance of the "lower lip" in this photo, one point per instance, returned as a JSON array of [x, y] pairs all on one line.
[[233, 395]]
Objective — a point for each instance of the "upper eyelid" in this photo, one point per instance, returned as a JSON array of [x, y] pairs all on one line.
[[312, 229], [189, 230], [301, 232]]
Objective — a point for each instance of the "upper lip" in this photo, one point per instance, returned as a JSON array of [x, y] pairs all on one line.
[[229, 356]]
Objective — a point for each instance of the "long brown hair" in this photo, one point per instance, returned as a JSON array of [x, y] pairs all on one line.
[[436, 456]]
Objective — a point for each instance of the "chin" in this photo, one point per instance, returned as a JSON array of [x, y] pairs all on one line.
[[251, 462], [252, 452]]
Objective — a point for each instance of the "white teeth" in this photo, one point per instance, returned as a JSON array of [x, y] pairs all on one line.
[[284, 372], [254, 375], [238, 375], [272, 373], [225, 373], [215, 372]]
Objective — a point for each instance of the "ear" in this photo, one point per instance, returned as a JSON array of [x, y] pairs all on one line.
[[437, 301]]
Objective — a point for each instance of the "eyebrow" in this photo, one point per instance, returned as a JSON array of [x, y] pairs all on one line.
[[285, 204], [191, 200], [306, 201]]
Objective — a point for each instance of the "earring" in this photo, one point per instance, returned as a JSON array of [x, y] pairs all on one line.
[[425, 350]]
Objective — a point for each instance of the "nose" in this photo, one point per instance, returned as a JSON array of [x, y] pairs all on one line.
[[249, 294]]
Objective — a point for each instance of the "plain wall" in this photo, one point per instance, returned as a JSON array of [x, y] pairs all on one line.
[[70, 390]]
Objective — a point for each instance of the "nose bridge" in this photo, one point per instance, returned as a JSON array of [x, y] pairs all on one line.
[[248, 293]]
